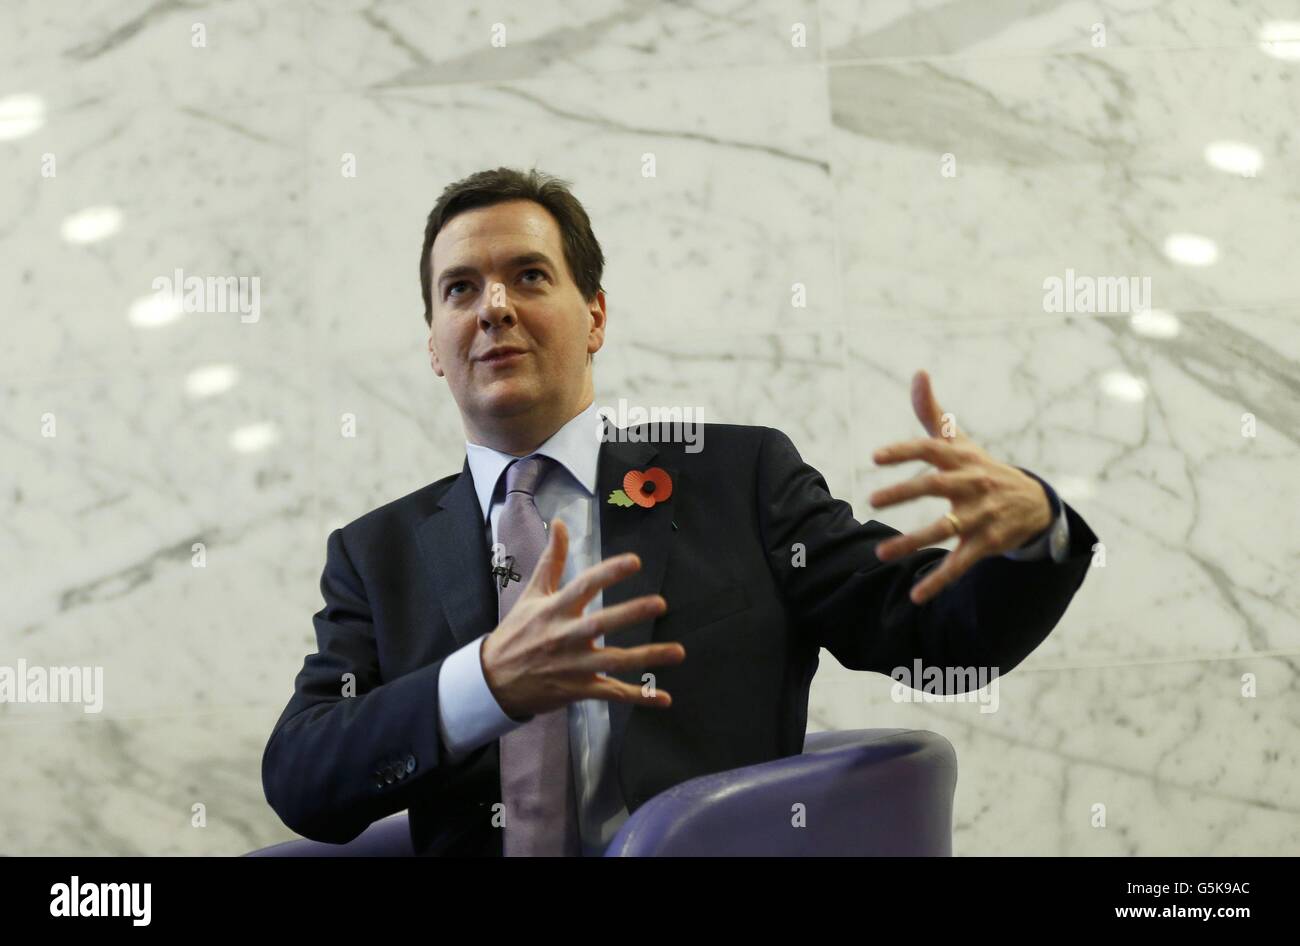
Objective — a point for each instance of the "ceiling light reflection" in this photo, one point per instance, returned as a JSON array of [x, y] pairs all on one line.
[[153, 311], [254, 437], [1281, 39], [1155, 323], [1234, 157], [20, 115], [1191, 249], [211, 380], [1123, 386], [92, 224]]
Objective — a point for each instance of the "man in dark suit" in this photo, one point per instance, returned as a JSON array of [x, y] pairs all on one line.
[[523, 653]]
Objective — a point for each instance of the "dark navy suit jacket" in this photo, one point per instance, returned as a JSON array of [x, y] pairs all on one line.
[[408, 583]]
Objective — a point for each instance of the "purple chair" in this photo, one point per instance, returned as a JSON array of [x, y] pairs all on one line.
[[865, 792]]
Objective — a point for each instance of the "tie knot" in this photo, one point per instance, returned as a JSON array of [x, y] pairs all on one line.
[[524, 475]]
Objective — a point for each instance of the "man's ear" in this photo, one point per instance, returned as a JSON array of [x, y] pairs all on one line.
[[596, 334], [434, 361]]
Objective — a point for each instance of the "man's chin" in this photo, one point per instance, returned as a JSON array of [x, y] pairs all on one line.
[[508, 401]]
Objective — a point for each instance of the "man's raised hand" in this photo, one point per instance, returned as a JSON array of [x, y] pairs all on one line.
[[544, 654]]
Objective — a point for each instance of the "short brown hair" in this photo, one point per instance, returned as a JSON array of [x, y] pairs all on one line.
[[485, 188]]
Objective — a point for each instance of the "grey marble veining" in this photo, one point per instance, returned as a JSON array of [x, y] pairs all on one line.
[[1090, 162], [779, 169], [402, 44], [1010, 29]]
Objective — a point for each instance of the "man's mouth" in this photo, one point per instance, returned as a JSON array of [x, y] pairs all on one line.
[[502, 355], [507, 359]]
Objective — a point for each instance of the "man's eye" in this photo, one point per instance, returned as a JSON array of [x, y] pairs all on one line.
[[538, 271], [454, 285]]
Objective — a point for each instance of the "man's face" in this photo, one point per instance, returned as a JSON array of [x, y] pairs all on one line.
[[500, 280]]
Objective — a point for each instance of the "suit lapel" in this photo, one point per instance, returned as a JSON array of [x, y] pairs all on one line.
[[453, 541], [648, 533]]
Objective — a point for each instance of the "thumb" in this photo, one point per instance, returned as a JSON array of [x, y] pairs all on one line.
[[550, 567], [927, 406]]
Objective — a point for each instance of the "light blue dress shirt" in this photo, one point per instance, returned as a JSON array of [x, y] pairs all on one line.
[[470, 716]]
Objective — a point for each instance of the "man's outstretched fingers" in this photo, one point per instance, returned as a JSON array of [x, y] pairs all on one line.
[[583, 587], [550, 566], [951, 567], [616, 691], [624, 659], [598, 623]]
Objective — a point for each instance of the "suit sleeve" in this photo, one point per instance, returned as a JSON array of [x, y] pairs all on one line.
[[335, 763], [843, 598]]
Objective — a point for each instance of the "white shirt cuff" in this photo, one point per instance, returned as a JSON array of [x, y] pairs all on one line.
[[468, 714]]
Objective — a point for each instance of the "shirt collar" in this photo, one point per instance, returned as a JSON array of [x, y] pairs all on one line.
[[575, 447]]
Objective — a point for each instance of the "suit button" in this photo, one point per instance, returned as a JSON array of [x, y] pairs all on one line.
[[389, 778], [410, 763]]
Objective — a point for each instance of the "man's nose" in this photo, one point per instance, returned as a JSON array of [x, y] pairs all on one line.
[[497, 310]]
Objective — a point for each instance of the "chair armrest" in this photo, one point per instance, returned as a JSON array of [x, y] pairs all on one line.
[[387, 837], [864, 792]]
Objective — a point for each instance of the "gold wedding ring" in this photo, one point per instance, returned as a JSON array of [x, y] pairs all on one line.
[[956, 523]]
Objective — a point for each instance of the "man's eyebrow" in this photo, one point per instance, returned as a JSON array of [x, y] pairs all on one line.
[[521, 259]]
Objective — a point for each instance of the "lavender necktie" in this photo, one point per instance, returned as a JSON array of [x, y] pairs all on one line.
[[541, 817]]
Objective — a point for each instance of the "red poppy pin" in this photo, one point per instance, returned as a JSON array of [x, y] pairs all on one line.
[[643, 489]]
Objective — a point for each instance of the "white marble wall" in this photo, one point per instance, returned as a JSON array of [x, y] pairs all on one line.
[[775, 164]]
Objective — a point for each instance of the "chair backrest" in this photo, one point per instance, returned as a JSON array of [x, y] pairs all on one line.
[[853, 793]]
